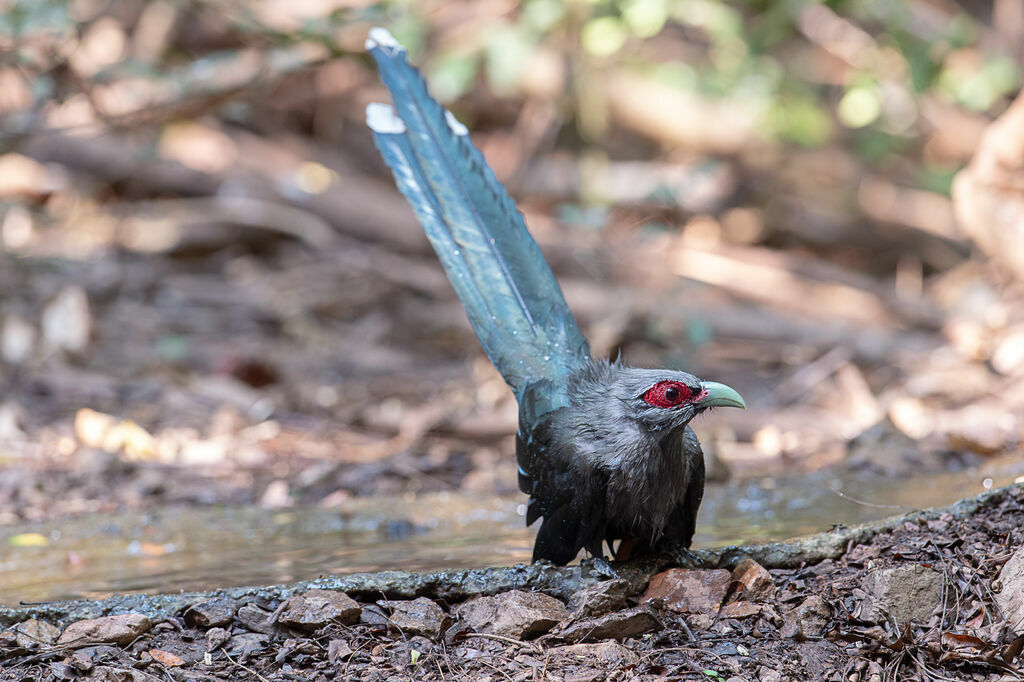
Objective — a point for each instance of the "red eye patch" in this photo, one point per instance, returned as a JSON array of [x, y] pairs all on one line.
[[669, 394]]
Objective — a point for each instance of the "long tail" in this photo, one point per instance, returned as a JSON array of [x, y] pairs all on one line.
[[510, 294]]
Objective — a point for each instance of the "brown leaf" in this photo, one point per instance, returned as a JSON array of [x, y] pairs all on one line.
[[955, 640], [1013, 649], [166, 658]]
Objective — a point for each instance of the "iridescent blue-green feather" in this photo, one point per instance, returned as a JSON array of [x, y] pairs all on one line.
[[510, 294]]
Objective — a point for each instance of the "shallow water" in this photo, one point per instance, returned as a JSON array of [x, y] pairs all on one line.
[[205, 548]]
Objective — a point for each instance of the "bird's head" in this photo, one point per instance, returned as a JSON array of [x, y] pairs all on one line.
[[665, 399]]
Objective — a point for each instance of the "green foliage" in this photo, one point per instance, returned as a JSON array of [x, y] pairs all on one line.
[[20, 18], [800, 118], [764, 48], [816, 72]]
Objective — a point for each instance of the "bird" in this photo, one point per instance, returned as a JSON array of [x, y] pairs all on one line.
[[604, 450]]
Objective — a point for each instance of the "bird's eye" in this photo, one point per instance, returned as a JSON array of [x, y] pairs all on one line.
[[668, 394]]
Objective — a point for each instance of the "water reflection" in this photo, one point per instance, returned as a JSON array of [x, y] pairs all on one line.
[[191, 549]]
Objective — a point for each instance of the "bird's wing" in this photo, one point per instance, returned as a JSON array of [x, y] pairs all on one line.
[[510, 294]]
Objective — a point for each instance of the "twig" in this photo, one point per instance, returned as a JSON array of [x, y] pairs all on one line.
[[865, 503], [243, 667], [507, 640], [497, 669]]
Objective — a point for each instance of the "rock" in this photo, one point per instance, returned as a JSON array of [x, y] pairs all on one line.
[[906, 593], [766, 674], [1010, 597], [316, 608], [338, 650], [756, 580], [247, 644], [209, 614], [807, 620], [689, 591], [417, 617], [33, 633], [216, 638], [609, 655], [619, 625], [373, 615], [600, 599], [8, 639], [514, 613], [256, 619], [121, 629], [739, 609]]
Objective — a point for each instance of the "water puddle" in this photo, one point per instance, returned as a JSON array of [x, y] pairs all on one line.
[[205, 548]]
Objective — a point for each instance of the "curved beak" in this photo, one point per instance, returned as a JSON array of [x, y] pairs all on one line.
[[720, 395]]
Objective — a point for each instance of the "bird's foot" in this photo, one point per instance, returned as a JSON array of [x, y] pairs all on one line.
[[685, 558], [600, 567]]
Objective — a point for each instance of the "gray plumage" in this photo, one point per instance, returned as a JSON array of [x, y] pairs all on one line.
[[604, 450], [609, 466]]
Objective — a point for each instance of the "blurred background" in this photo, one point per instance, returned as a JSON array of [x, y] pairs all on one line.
[[228, 355]]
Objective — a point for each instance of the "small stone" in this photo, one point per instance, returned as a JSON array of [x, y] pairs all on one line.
[[417, 617], [756, 580], [338, 650], [256, 619], [208, 614], [610, 655], [108, 629], [80, 662], [765, 674], [247, 644], [1010, 596], [688, 590], [216, 638], [33, 633], [740, 609], [514, 613], [619, 625], [808, 620], [373, 615], [316, 608], [910, 592], [599, 599]]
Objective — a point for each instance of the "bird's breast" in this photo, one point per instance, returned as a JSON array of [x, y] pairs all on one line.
[[647, 486]]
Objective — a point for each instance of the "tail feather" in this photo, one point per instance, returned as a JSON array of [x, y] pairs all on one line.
[[510, 294]]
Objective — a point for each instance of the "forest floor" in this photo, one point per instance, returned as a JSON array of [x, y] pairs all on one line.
[[220, 300]]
